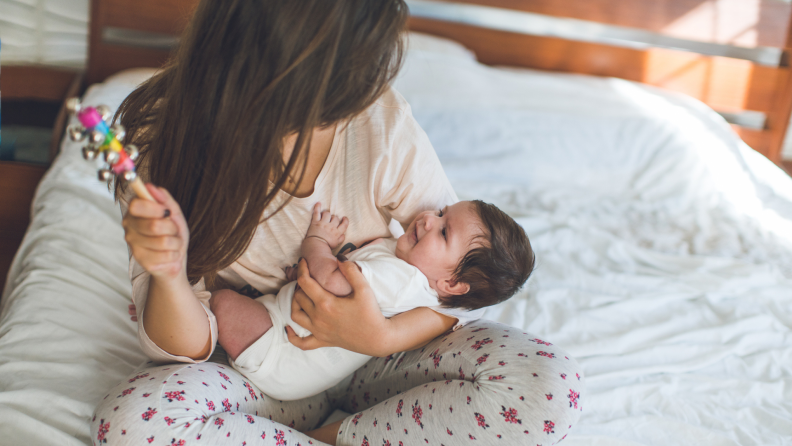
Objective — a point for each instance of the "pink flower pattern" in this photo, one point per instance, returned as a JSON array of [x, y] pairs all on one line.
[[104, 428], [510, 415], [573, 399], [174, 396], [417, 414], [148, 414], [448, 360]]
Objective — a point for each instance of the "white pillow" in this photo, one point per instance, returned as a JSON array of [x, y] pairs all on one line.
[[131, 76]]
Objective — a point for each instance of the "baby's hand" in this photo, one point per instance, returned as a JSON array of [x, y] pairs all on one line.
[[327, 227]]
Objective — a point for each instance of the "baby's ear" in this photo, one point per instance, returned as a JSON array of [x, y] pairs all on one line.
[[448, 287]]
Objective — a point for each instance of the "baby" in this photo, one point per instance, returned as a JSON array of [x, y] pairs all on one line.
[[455, 261]]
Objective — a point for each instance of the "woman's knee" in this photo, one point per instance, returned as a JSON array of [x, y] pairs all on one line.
[[528, 377], [129, 406]]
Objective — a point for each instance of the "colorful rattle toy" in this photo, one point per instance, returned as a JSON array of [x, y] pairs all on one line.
[[106, 140]]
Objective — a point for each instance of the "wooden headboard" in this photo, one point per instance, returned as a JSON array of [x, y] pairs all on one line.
[[731, 54]]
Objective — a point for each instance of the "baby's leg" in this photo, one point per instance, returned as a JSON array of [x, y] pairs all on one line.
[[240, 320]]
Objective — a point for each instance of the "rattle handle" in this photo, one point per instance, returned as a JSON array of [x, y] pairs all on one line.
[[140, 189]]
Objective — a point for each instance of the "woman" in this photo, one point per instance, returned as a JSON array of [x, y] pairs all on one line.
[[269, 107]]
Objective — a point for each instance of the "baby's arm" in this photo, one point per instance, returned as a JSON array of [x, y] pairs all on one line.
[[325, 233]]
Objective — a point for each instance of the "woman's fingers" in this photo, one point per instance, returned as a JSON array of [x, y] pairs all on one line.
[[141, 208], [300, 318], [165, 198], [163, 243], [301, 302], [296, 306], [151, 226], [306, 343], [314, 291], [353, 275], [157, 233]]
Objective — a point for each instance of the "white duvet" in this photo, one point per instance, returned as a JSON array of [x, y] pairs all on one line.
[[663, 244]]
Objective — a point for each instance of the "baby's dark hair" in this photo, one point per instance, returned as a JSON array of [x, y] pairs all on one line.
[[500, 264]]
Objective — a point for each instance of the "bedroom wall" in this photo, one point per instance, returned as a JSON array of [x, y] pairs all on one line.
[[55, 33]]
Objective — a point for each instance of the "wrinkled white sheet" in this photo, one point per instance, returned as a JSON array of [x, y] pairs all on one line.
[[663, 244], [663, 248]]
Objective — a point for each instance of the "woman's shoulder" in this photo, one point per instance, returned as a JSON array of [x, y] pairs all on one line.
[[388, 122], [389, 111], [391, 100]]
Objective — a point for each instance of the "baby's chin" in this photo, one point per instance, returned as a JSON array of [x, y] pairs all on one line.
[[402, 247]]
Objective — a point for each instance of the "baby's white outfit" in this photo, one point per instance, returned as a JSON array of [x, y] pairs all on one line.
[[285, 372]]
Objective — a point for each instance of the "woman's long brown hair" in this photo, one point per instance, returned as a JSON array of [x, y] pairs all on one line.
[[211, 124]]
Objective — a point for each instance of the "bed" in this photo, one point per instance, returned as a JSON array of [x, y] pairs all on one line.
[[663, 244]]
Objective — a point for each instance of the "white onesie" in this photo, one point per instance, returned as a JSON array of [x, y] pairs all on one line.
[[285, 372]]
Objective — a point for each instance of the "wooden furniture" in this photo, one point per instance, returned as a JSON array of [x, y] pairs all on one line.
[[34, 85], [757, 93], [729, 85], [42, 84], [125, 34], [18, 182]]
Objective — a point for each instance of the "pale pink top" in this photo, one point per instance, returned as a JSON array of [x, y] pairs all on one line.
[[381, 166]]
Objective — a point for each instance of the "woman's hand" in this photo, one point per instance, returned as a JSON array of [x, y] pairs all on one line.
[[157, 234], [353, 322]]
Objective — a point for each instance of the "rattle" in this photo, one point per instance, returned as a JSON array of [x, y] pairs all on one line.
[[106, 140]]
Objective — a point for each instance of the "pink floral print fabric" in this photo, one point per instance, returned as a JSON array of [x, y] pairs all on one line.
[[484, 384]]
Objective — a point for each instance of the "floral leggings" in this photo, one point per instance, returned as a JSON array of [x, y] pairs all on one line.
[[483, 384]]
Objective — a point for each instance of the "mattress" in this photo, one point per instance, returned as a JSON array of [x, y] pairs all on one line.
[[663, 245]]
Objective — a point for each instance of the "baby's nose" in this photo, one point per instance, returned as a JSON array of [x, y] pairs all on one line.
[[428, 221]]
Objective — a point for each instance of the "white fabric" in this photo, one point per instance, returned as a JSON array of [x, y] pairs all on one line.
[[285, 372], [399, 286], [662, 246], [376, 162]]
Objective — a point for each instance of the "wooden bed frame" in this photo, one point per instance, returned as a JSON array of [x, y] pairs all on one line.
[[755, 93]]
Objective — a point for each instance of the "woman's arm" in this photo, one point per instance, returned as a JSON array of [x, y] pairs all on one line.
[[172, 316], [355, 322], [175, 320]]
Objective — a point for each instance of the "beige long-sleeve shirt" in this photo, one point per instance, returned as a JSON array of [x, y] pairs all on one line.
[[381, 166]]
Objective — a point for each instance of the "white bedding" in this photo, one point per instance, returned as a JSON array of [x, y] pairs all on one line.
[[663, 243]]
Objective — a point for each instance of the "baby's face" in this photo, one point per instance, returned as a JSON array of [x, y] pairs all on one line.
[[436, 241]]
